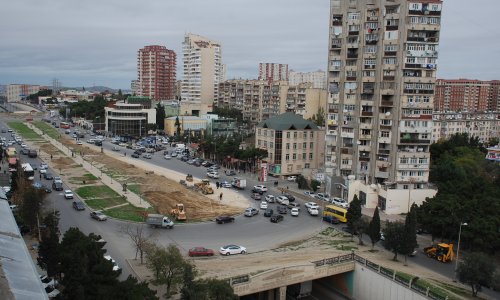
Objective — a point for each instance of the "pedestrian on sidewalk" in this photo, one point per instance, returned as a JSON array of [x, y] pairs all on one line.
[[220, 196], [217, 184], [51, 157]]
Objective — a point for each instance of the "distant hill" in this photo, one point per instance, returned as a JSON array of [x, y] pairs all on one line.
[[98, 89]]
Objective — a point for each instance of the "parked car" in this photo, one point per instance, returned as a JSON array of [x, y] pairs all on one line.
[[339, 202], [260, 189], [200, 251], [99, 216], [224, 219], [24, 151], [269, 212], [282, 200], [232, 249], [48, 176], [225, 184], [263, 205], [48, 281], [68, 194], [289, 197], [113, 262], [78, 205], [52, 292], [276, 218], [294, 212], [313, 211], [230, 173], [147, 155], [311, 205], [115, 148], [135, 155], [282, 209], [256, 196], [270, 199], [167, 157], [250, 212], [310, 194], [331, 219], [292, 178], [213, 175]]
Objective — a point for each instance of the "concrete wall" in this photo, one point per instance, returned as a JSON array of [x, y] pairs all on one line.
[[370, 285]]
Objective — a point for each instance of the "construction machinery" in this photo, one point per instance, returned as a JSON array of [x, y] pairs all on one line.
[[442, 252], [204, 187], [179, 213], [189, 177]]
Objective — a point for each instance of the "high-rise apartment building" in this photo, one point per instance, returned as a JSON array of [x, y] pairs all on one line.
[[469, 95], [382, 59], [273, 72], [17, 92], [482, 125], [203, 71], [317, 78], [156, 70]]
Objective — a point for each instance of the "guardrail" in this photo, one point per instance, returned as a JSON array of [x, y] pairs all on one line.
[[412, 283]]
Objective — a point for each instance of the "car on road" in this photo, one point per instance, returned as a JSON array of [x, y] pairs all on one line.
[[232, 249], [224, 219], [78, 205], [294, 212], [115, 148], [79, 142], [313, 211], [43, 171], [289, 197], [331, 220], [57, 185], [256, 196], [57, 179], [47, 189], [44, 166], [147, 155], [322, 197], [276, 218], [135, 155], [24, 145], [250, 212], [98, 215], [282, 209], [270, 198], [260, 189], [292, 178], [282, 200], [263, 205], [213, 175], [167, 157], [293, 205], [113, 262], [269, 212], [311, 205], [339, 202], [68, 194], [174, 154], [24, 151], [230, 173], [200, 251], [310, 194], [48, 176], [225, 184]]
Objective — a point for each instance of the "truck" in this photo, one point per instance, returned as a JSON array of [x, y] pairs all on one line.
[[239, 183], [442, 252], [159, 221]]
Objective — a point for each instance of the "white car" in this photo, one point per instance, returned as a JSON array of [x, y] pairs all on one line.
[[260, 188], [115, 265], [68, 194], [339, 202], [79, 143], [310, 194], [282, 200], [313, 211], [232, 249], [24, 145], [263, 205], [213, 175], [52, 292], [311, 205], [43, 171], [167, 157], [147, 155], [292, 178], [44, 166], [174, 154], [225, 184], [294, 212], [270, 198]]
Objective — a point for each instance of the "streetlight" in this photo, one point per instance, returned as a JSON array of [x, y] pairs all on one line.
[[458, 249]]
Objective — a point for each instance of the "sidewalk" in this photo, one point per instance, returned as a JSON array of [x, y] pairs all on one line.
[[132, 198]]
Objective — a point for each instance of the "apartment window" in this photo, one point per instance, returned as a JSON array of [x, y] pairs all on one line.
[[294, 146], [287, 157], [403, 160], [294, 156], [391, 48], [310, 156], [413, 160], [391, 35], [384, 134], [258, 132], [288, 135], [304, 156], [369, 61], [295, 135], [425, 135], [350, 85], [353, 16], [371, 49], [420, 173], [304, 145], [287, 146], [345, 161], [304, 134], [349, 107], [423, 160], [348, 118], [311, 134], [258, 142], [390, 60], [311, 145]]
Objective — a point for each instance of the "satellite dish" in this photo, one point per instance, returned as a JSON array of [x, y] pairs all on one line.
[[351, 177], [388, 113]]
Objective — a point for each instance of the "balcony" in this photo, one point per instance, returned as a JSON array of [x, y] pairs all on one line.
[[389, 78], [367, 113], [380, 174], [352, 54], [384, 151], [386, 103], [414, 141], [346, 151], [363, 158], [350, 78], [368, 91], [386, 127]]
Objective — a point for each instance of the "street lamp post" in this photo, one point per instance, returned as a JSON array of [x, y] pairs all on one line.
[[458, 249]]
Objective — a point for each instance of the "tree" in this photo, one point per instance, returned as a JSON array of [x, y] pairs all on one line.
[[354, 213], [132, 289], [319, 118], [409, 243], [177, 125], [49, 257], [374, 228], [393, 235], [191, 289], [220, 290], [315, 184], [160, 116], [31, 203], [302, 183], [139, 238], [476, 270], [167, 265]]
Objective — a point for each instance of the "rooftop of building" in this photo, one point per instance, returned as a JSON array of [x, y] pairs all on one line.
[[288, 121], [187, 118]]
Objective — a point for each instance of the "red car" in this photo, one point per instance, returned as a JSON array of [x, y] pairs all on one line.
[[200, 251]]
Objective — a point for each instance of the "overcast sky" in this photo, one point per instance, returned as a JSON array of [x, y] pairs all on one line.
[[87, 42]]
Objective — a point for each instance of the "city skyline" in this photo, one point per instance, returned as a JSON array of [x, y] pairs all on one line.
[[85, 44]]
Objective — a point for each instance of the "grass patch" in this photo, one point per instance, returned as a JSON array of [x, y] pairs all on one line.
[[103, 203], [89, 176], [47, 129], [23, 130], [96, 191], [134, 188], [455, 289], [129, 213]]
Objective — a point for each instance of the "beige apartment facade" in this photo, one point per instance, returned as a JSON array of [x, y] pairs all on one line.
[[260, 100], [203, 71], [293, 144], [17, 92], [483, 125], [382, 60], [317, 78]]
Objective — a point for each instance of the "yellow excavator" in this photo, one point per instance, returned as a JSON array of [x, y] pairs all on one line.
[[179, 212], [204, 187], [442, 252]]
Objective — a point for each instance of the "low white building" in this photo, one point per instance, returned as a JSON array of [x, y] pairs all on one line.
[[129, 118]]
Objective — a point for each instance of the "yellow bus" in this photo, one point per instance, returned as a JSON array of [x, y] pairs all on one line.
[[338, 212]]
